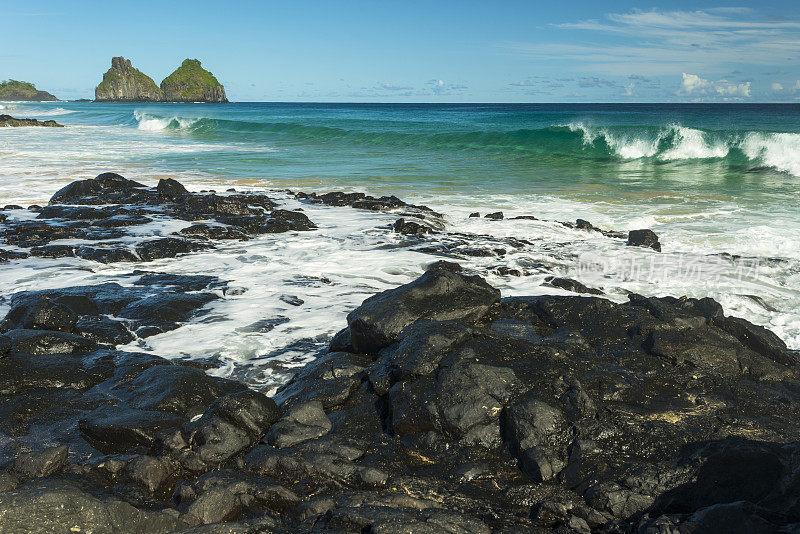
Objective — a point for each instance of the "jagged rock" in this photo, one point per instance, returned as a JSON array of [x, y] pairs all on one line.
[[122, 429], [123, 83], [45, 506], [401, 226], [167, 247], [213, 506], [49, 342], [149, 472], [84, 188], [571, 285], [301, 423], [40, 464], [41, 314], [644, 238], [170, 189], [496, 216], [439, 294]]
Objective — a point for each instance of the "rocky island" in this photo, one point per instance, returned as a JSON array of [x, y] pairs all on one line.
[[188, 83], [192, 83], [440, 406], [16, 91], [124, 83]]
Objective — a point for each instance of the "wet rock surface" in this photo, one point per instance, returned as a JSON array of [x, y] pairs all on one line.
[[9, 121], [102, 220], [441, 407]]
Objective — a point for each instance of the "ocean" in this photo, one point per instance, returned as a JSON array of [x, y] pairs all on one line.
[[719, 184]]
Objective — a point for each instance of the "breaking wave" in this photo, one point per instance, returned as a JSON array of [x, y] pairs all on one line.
[[780, 151]]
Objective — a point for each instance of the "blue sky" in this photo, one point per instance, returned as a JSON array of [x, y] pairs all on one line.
[[466, 51]]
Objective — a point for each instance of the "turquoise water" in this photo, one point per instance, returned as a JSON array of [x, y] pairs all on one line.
[[716, 182], [752, 151]]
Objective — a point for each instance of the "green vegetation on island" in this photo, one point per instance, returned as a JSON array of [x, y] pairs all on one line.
[[192, 83], [124, 83], [13, 90], [188, 83]]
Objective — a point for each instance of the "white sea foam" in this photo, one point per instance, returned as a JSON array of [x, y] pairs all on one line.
[[353, 254], [690, 143], [685, 142], [626, 146], [778, 150], [150, 123], [51, 112]]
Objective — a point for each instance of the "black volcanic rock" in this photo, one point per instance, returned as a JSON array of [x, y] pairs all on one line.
[[644, 238], [439, 294]]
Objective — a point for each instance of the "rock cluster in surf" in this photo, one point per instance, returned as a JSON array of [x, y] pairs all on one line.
[[103, 214], [189, 83], [440, 406], [9, 121]]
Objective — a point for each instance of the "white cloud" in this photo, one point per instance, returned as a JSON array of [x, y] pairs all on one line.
[[694, 85], [391, 87], [777, 87], [671, 42], [629, 89]]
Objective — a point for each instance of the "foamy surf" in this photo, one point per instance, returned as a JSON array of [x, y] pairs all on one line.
[[710, 193], [150, 123]]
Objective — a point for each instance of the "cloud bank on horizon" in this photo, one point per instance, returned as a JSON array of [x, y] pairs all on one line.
[[416, 52]]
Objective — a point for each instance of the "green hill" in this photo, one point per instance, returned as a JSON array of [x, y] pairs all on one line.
[[192, 83], [23, 91]]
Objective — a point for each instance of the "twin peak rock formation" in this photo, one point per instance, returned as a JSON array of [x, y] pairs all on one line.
[[189, 83]]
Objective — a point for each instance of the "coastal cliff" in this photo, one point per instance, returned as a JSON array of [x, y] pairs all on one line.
[[14, 90], [192, 83], [123, 83]]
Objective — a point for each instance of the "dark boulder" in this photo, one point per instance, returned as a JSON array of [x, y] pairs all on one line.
[[496, 216], [40, 314], [216, 440], [167, 247], [106, 255], [401, 226], [40, 464], [85, 188], [49, 342], [644, 238], [149, 472], [301, 423], [176, 389], [214, 232], [49, 505], [171, 190], [439, 295], [118, 430], [248, 410], [571, 285], [216, 505]]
